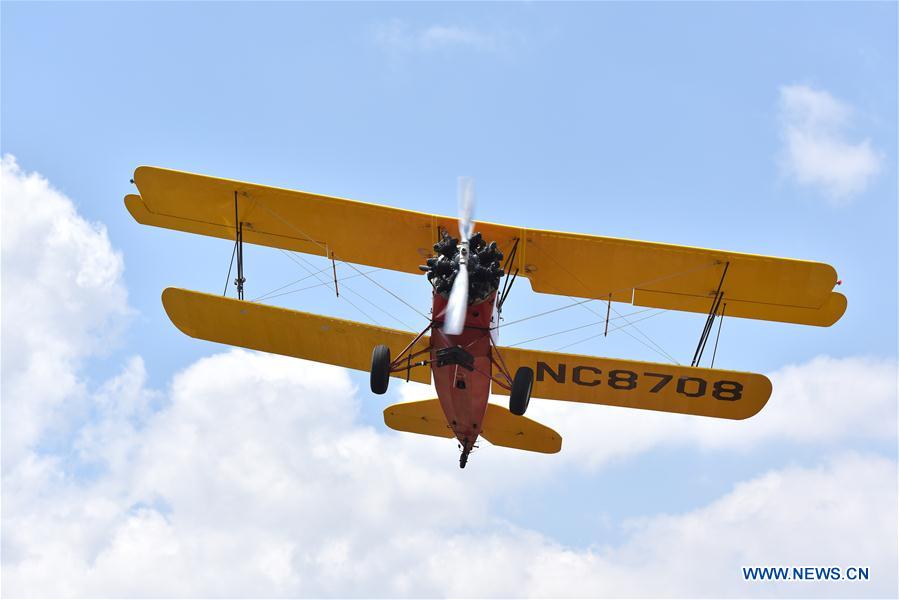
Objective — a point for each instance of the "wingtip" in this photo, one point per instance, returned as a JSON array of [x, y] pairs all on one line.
[[833, 310], [142, 172], [842, 303], [169, 297], [135, 206], [763, 382], [138, 171]]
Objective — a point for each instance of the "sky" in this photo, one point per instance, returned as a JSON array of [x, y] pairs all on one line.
[[138, 461]]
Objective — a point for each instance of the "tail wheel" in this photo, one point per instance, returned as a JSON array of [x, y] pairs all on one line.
[[521, 390], [380, 369]]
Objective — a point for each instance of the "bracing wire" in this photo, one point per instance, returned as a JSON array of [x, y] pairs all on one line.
[[350, 302], [603, 299], [592, 324], [542, 314], [347, 287], [386, 289], [308, 287], [278, 289], [655, 346], [230, 264], [596, 335], [658, 348], [325, 248]]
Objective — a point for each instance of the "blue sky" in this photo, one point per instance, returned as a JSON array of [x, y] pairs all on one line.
[[764, 128]]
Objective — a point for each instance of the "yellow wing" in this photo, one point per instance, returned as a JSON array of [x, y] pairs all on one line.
[[642, 273], [634, 384], [289, 332]]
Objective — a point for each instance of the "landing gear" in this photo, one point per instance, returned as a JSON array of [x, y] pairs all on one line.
[[380, 369], [520, 396]]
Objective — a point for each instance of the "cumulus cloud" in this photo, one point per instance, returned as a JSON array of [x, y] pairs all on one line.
[[257, 479], [398, 35], [63, 301], [791, 516], [818, 150]]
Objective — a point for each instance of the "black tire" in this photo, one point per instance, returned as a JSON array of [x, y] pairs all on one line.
[[521, 390], [380, 369]]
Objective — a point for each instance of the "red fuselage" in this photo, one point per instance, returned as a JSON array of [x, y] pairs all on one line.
[[463, 392]]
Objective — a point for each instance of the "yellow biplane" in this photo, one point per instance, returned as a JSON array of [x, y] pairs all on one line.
[[457, 348]]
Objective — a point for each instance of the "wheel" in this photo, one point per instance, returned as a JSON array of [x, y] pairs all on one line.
[[380, 369], [521, 390]]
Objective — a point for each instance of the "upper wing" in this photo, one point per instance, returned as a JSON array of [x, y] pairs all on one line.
[[283, 331], [682, 277], [634, 384], [357, 232], [643, 273]]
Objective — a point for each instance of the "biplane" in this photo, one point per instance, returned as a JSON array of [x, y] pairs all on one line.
[[458, 348]]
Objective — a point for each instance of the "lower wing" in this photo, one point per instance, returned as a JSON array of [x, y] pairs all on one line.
[[635, 384], [289, 332]]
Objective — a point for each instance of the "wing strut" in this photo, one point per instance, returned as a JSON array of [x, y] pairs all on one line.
[[710, 320], [507, 285], [238, 231], [608, 313], [334, 270]]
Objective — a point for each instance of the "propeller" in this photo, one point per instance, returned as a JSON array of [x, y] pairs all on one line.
[[457, 305]]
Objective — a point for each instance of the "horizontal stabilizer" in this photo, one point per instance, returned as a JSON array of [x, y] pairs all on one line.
[[502, 428], [283, 331], [635, 384], [422, 416]]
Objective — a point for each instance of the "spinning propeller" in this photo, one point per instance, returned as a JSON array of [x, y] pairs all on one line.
[[457, 306]]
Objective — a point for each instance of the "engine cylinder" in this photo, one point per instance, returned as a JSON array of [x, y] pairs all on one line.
[[484, 267]]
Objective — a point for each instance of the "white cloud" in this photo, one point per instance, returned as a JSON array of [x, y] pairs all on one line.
[[256, 478], [397, 35], [793, 516], [63, 300], [817, 149]]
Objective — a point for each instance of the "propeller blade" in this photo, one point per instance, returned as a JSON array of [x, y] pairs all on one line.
[[466, 208], [457, 305]]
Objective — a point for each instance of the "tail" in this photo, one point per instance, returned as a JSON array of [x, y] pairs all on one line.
[[500, 428]]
